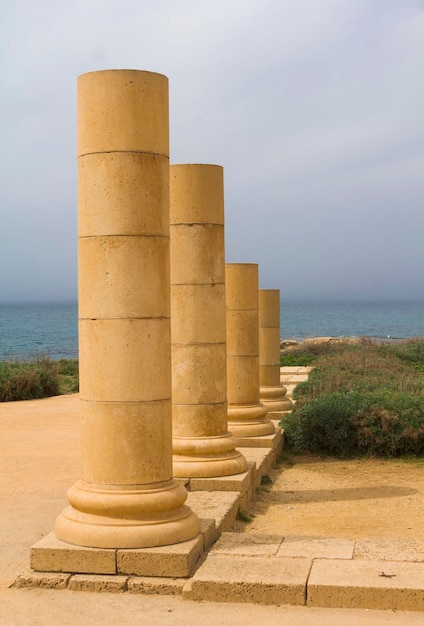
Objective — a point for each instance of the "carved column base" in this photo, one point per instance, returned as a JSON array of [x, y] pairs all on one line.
[[249, 421], [275, 399], [207, 457], [104, 516]]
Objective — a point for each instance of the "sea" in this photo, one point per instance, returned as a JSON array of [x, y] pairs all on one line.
[[33, 329]]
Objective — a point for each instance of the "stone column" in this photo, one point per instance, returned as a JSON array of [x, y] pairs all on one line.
[[202, 445], [272, 392], [127, 497], [247, 417]]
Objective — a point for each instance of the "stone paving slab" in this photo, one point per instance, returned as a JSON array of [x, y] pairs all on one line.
[[155, 585], [266, 441], [246, 545], [317, 547], [263, 580], [389, 549], [237, 482], [100, 584], [45, 580], [220, 506], [366, 584], [179, 559], [53, 555], [293, 379]]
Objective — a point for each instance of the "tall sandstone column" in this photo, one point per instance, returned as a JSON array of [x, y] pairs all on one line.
[[202, 445], [272, 392], [126, 497], [247, 417]]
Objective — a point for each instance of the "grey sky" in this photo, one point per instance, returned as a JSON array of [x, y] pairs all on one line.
[[313, 107]]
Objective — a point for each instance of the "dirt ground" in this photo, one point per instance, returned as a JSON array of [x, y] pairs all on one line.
[[316, 496]]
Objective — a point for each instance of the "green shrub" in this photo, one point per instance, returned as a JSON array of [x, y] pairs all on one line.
[[68, 376], [361, 399], [27, 380], [326, 424], [68, 367]]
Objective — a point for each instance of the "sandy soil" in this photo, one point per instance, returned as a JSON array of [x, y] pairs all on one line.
[[354, 499]]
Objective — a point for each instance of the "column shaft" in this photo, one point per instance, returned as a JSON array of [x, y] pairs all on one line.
[[127, 497], [202, 445], [272, 392], [247, 417]]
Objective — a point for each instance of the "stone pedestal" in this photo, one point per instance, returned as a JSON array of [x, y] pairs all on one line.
[[127, 497], [272, 392], [202, 445], [247, 416]]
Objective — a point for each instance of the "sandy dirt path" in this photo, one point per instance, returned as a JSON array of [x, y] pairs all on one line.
[[315, 496]]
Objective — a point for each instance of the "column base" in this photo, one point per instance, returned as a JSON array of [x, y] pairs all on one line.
[[207, 457], [249, 421], [275, 399], [110, 517]]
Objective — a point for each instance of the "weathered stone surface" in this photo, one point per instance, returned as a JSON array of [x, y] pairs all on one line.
[[155, 585], [52, 555], [366, 584], [87, 582], [222, 506], [246, 545], [264, 580], [47, 580], [180, 559], [389, 549], [317, 547]]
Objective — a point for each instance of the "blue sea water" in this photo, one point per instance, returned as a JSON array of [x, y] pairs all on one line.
[[382, 320], [39, 328], [51, 329]]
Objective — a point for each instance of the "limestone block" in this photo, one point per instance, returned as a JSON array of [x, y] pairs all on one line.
[[242, 333], [111, 104], [106, 260], [222, 506], [109, 181], [269, 341], [263, 580], [119, 442], [197, 194], [52, 555], [366, 584], [242, 292], [198, 314], [246, 544], [156, 585], [395, 549], [178, 559], [317, 547], [197, 373], [239, 482], [206, 420], [140, 349], [46, 580], [92, 582], [203, 257], [243, 381]]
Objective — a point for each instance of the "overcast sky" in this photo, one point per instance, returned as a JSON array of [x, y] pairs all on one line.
[[315, 109]]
